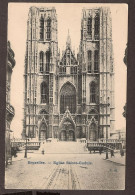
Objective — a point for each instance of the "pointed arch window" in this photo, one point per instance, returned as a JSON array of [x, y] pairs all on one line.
[[41, 28], [93, 126], [44, 93], [96, 61], [47, 61], [93, 92], [89, 26], [41, 61], [89, 61], [96, 26], [43, 112], [68, 98], [48, 29]]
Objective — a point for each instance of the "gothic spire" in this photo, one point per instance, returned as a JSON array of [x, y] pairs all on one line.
[[68, 43]]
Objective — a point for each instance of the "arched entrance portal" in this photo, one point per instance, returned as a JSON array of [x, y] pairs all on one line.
[[43, 132], [92, 132], [67, 132]]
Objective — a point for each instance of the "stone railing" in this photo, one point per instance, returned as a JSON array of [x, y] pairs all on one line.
[[109, 140], [21, 143]]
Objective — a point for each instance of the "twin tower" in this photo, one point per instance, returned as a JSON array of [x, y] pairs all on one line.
[[68, 98]]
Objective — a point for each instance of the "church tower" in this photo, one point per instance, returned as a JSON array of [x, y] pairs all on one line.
[[96, 65], [69, 97], [40, 73]]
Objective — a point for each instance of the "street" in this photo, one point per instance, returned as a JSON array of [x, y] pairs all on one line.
[[65, 171]]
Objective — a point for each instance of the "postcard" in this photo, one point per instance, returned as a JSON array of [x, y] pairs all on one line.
[[66, 96]]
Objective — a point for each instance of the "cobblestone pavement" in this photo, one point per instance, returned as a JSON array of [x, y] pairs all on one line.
[[65, 171]]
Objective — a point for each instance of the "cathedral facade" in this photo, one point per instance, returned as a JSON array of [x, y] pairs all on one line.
[[68, 97]]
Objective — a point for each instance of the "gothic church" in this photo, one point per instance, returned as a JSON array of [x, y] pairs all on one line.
[[68, 97]]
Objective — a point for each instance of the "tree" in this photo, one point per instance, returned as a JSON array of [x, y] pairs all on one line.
[[125, 61], [125, 108], [125, 57]]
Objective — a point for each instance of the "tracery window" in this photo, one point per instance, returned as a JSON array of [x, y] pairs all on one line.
[[43, 112], [47, 61], [48, 29], [68, 98], [41, 28], [41, 61], [96, 26], [93, 126], [89, 61], [96, 61], [89, 26], [44, 93], [93, 92]]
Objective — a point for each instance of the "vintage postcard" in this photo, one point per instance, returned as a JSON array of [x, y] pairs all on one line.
[[66, 96]]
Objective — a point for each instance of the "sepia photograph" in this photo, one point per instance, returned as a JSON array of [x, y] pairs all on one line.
[[66, 82]]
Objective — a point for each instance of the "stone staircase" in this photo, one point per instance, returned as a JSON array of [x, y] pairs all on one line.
[[62, 147]]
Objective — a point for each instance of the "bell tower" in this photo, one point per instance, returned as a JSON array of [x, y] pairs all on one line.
[[40, 72], [96, 65]]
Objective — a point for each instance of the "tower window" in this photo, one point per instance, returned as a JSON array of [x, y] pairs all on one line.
[[89, 61], [96, 60], [48, 29], [47, 61], [41, 28], [89, 26], [96, 26], [93, 92], [44, 92], [41, 61], [43, 112]]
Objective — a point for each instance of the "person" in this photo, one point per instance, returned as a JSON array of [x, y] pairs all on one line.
[[43, 150], [112, 153], [100, 151], [122, 152]]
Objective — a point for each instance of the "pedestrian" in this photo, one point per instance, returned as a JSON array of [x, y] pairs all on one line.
[[43, 151], [100, 151], [43, 146], [112, 153], [122, 152]]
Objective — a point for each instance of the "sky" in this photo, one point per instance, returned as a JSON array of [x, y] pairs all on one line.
[[69, 17]]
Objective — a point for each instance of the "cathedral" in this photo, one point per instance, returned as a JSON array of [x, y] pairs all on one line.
[[68, 97]]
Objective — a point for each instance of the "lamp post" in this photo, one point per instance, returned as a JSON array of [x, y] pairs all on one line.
[[26, 136], [25, 155], [106, 142], [107, 105]]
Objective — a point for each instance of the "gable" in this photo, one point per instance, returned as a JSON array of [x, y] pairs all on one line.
[[68, 58]]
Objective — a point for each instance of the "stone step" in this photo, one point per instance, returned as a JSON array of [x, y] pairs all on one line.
[[64, 147]]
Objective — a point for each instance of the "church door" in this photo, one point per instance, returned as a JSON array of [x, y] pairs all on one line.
[[43, 132], [67, 133], [92, 132], [63, 136], [71, 136]]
